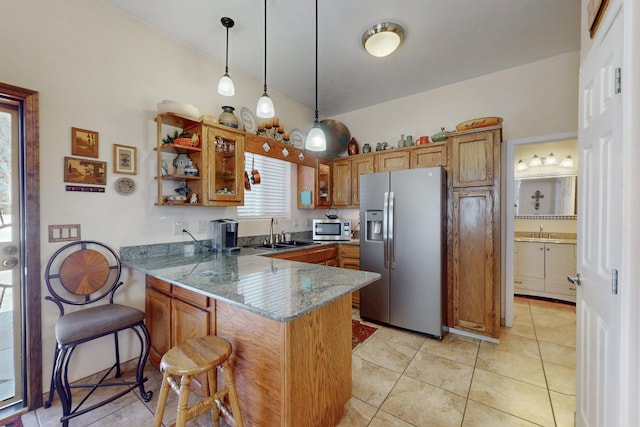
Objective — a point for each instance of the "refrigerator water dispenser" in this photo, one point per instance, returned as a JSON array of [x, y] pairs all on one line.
[[374, 226]]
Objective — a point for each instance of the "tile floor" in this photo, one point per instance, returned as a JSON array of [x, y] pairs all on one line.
[[404, 379]]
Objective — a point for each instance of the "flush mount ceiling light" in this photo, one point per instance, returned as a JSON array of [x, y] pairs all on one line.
[[225, 85], [265, 108], [383, 38], [316, 139]]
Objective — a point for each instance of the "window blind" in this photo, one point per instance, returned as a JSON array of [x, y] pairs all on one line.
[[270, 198]]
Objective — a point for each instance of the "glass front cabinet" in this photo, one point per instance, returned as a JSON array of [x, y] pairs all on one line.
[[225, 149]]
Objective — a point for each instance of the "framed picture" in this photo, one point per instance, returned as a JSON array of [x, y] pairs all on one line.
[[595, 12], [85, 171], [124, 159], [84, 143]]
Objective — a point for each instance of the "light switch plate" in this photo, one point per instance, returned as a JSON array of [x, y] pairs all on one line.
[[64, 232]]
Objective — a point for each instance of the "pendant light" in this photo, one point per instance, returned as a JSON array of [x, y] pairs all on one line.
[[316, 139], [265, 108], [225, 85]]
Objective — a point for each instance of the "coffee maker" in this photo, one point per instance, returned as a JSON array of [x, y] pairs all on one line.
[[225, 235]]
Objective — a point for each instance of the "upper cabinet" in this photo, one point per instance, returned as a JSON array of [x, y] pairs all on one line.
[[226, 166], [204, 168], [472, 159], [323, 183], [393, 160]]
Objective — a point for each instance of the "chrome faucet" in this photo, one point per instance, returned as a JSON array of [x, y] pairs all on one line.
[[541, 228], [273, 221]]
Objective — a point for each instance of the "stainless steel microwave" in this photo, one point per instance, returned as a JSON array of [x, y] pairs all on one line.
[[331, 229]]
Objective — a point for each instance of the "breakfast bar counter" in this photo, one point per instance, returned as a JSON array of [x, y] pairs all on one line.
[[289, 324]]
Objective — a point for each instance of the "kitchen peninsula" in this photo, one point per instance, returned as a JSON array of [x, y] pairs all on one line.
[[289, 323]]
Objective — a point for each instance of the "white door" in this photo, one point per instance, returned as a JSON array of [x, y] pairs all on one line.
[[599, 232]]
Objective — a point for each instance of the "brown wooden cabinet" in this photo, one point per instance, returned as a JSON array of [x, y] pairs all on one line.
[[174, 315], [349, 257], [323, 183], [393, 160], [219, 158], [474, 232], [342, 188], [324, 254], [225, 149], [359, 166], [430, 155]]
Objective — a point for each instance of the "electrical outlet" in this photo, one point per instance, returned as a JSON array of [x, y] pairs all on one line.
[[179, 226], [202, 227], [296, 223]]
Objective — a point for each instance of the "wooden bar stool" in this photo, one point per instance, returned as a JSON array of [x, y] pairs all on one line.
[[193, 357]]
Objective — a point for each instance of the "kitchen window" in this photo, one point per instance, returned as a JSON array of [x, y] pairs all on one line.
[[270, 198]]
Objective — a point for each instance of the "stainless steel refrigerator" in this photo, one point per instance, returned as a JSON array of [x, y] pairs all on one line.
[[403, 237]]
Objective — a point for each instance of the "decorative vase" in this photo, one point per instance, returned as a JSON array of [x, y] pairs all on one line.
[[409, 141], [227, 117], [366, 148], [353, 147], [401, 141]]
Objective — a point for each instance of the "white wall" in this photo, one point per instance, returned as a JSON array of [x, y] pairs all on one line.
[[97, 68]]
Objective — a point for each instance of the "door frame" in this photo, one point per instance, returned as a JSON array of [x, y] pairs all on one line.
[[30, 239], [508, 225]]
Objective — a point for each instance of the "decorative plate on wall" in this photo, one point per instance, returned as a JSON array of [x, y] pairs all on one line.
[[125, 186], [248, 120]]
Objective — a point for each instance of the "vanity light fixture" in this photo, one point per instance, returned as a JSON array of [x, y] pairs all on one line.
[[535, 161], [567, 163], [551, 160], [382, 39], [265, 108], [521, 166], [316, 139], [225, 85]]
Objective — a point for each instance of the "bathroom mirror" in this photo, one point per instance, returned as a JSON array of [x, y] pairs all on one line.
[[546, 196]]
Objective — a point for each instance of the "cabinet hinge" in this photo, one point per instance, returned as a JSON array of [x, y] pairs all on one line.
[[618, 87], [614, 282]]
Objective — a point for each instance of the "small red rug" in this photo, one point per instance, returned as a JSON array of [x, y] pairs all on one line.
[[15, 421], [360, 332]]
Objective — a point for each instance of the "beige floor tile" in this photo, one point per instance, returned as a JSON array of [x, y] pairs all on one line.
[[558, 354], [397, 336], [440, 372], [478, 415], [135, 414], [522, 313], [520, 328], [514, 397], [30, 419], [382, 419], [560, 378], [357, 413], [386, 354], [371, 382], [511, 365], [458, 348], [422, 404], [563, 335], [516, 344], [564, 408]]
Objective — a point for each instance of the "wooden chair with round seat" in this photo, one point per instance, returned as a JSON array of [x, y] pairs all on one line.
[[189, 359], [81, 274]]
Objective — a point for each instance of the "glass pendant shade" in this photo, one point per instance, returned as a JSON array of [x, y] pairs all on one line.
[[225, 86], [316, 140], [265, 108]]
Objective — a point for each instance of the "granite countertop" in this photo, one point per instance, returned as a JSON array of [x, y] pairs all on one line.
[[278, 289]]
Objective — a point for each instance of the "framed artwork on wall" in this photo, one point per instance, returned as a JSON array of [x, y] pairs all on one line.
[[124, 159], [85, 171], [84, 143]]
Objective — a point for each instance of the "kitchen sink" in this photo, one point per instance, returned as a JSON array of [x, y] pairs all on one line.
[[286, 245], [299, 243]]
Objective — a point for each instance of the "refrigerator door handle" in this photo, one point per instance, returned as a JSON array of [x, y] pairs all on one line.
[[390, 237], [385, 229]]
